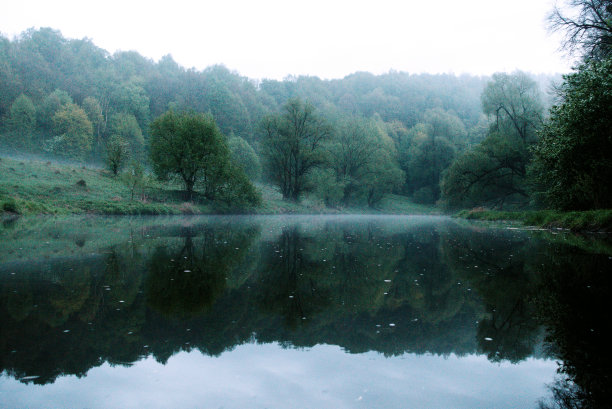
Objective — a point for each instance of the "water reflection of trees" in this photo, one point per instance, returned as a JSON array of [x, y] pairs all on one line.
[[574, 303], [498, 267], [444, 289]]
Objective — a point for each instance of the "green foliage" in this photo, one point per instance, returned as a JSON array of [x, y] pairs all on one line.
[[244, 156], [54, 71], [92, 108], [73, 133], [446, 125], [189, 146], [117, 152], [94, 112], [292, 146], [234, 190], [50, 106], [125, 126], [22, 121], [135, 178], [492, 173], [572, 166], [428, 156], [131, 98], [514, 103], [363, 162]]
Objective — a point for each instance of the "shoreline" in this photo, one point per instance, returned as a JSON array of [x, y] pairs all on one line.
[[587, 221]]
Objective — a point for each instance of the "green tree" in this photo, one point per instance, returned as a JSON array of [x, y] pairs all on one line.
[[73, 133], [572, 166], [50, 105], [514, 103], [428, 157], [23, 120], [292, 146], [117, 152], [93, 109], [135, 178], [244, 156], [190, 147], [446, 125], [126, 127], [364, 163], [494, 172], [132, 98]]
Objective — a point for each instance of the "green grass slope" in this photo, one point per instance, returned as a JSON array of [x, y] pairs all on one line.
[[29, 187]]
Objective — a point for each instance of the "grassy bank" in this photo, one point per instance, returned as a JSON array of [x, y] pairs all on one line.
[[29, 187], [586, 221]]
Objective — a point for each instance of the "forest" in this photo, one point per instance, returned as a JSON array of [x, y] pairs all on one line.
[[509, 141]]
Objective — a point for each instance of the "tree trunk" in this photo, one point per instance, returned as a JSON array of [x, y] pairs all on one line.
[[189, 190]]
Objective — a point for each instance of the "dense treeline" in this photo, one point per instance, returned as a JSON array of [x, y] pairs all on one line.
[[562, 162], [74, 100], [456, 141]]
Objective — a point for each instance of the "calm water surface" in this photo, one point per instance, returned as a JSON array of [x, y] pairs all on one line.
[[352, 311]]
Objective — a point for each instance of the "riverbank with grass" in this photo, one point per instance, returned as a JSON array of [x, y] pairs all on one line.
[[583, 221], [32, 187]]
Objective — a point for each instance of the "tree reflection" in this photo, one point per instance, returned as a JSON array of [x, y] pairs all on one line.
[[574, 304], [364, 286], [496, 266]]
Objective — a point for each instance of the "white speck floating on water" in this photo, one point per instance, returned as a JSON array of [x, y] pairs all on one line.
[[387, 281], [392, 325], [66, 330], [187, 271], [488, 339], [29, 378]]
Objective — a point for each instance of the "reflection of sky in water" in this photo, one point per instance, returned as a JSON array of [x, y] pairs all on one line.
[[269, 376]]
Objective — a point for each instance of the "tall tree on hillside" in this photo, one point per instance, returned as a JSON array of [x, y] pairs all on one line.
[[514, 103], [73, 133], [494, 172], [50, 105], [23, 120], [126, 127], [93, 109], [292, 146]]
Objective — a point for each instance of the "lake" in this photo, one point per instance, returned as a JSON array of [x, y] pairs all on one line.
[[300, 311]]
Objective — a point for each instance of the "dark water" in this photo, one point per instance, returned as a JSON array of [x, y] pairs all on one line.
[[419, 312]]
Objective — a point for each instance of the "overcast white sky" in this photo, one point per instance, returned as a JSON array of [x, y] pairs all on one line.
[[326, 38]]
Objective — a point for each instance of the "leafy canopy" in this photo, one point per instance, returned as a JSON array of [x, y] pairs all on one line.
[[190, 147], [572, 166]]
